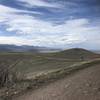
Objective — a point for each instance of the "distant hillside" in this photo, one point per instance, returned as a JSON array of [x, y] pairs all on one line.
[[14, 48], [24, 48], [97, 51], [76, 53]]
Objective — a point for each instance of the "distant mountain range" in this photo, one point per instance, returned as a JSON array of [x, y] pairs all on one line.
[[25, 48]]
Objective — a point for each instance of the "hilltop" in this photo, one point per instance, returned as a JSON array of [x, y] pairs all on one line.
[[76, 53]]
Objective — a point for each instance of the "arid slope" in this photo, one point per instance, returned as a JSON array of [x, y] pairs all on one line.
[[82, 85]]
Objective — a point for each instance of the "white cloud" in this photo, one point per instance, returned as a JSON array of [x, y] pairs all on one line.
[[5, 9], [40, 40], [7, 13], [43, 32], [14, 40], [41, 3], [30, 25]]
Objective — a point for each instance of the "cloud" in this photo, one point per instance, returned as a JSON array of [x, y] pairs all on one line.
[[7, 13], [26, 24], [31, 26], [14, 40], [40, 40], [33, 31], [40, 3]]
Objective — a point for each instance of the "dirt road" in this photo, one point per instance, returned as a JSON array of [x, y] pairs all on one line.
[[82, 85]]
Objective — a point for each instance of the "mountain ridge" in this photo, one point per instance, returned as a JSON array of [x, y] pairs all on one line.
[[25, 48]]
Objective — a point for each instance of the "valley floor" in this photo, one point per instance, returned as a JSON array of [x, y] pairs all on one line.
[[82, 85]]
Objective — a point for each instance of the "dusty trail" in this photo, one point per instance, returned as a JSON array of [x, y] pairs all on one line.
[[82, 85]]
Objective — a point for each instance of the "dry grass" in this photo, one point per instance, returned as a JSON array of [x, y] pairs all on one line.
[[45, 78], [24, 71]]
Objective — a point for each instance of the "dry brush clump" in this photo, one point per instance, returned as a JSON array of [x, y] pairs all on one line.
[[8, 61], [7, 74], [7, 77], [3, 76]]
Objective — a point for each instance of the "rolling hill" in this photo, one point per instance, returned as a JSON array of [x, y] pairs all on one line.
[[42, 62], [28, 65], [76, 53]]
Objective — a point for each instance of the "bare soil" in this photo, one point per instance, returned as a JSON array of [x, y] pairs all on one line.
[[82, 85]]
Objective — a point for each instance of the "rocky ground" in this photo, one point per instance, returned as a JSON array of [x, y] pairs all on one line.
[[82, 85]]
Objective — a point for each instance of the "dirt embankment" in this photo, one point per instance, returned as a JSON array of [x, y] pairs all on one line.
[[82, 85]]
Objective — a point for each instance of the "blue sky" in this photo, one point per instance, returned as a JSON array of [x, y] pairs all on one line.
[[52, 23]]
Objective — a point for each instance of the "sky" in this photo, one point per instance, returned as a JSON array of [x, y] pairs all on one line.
[[51, 23]]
